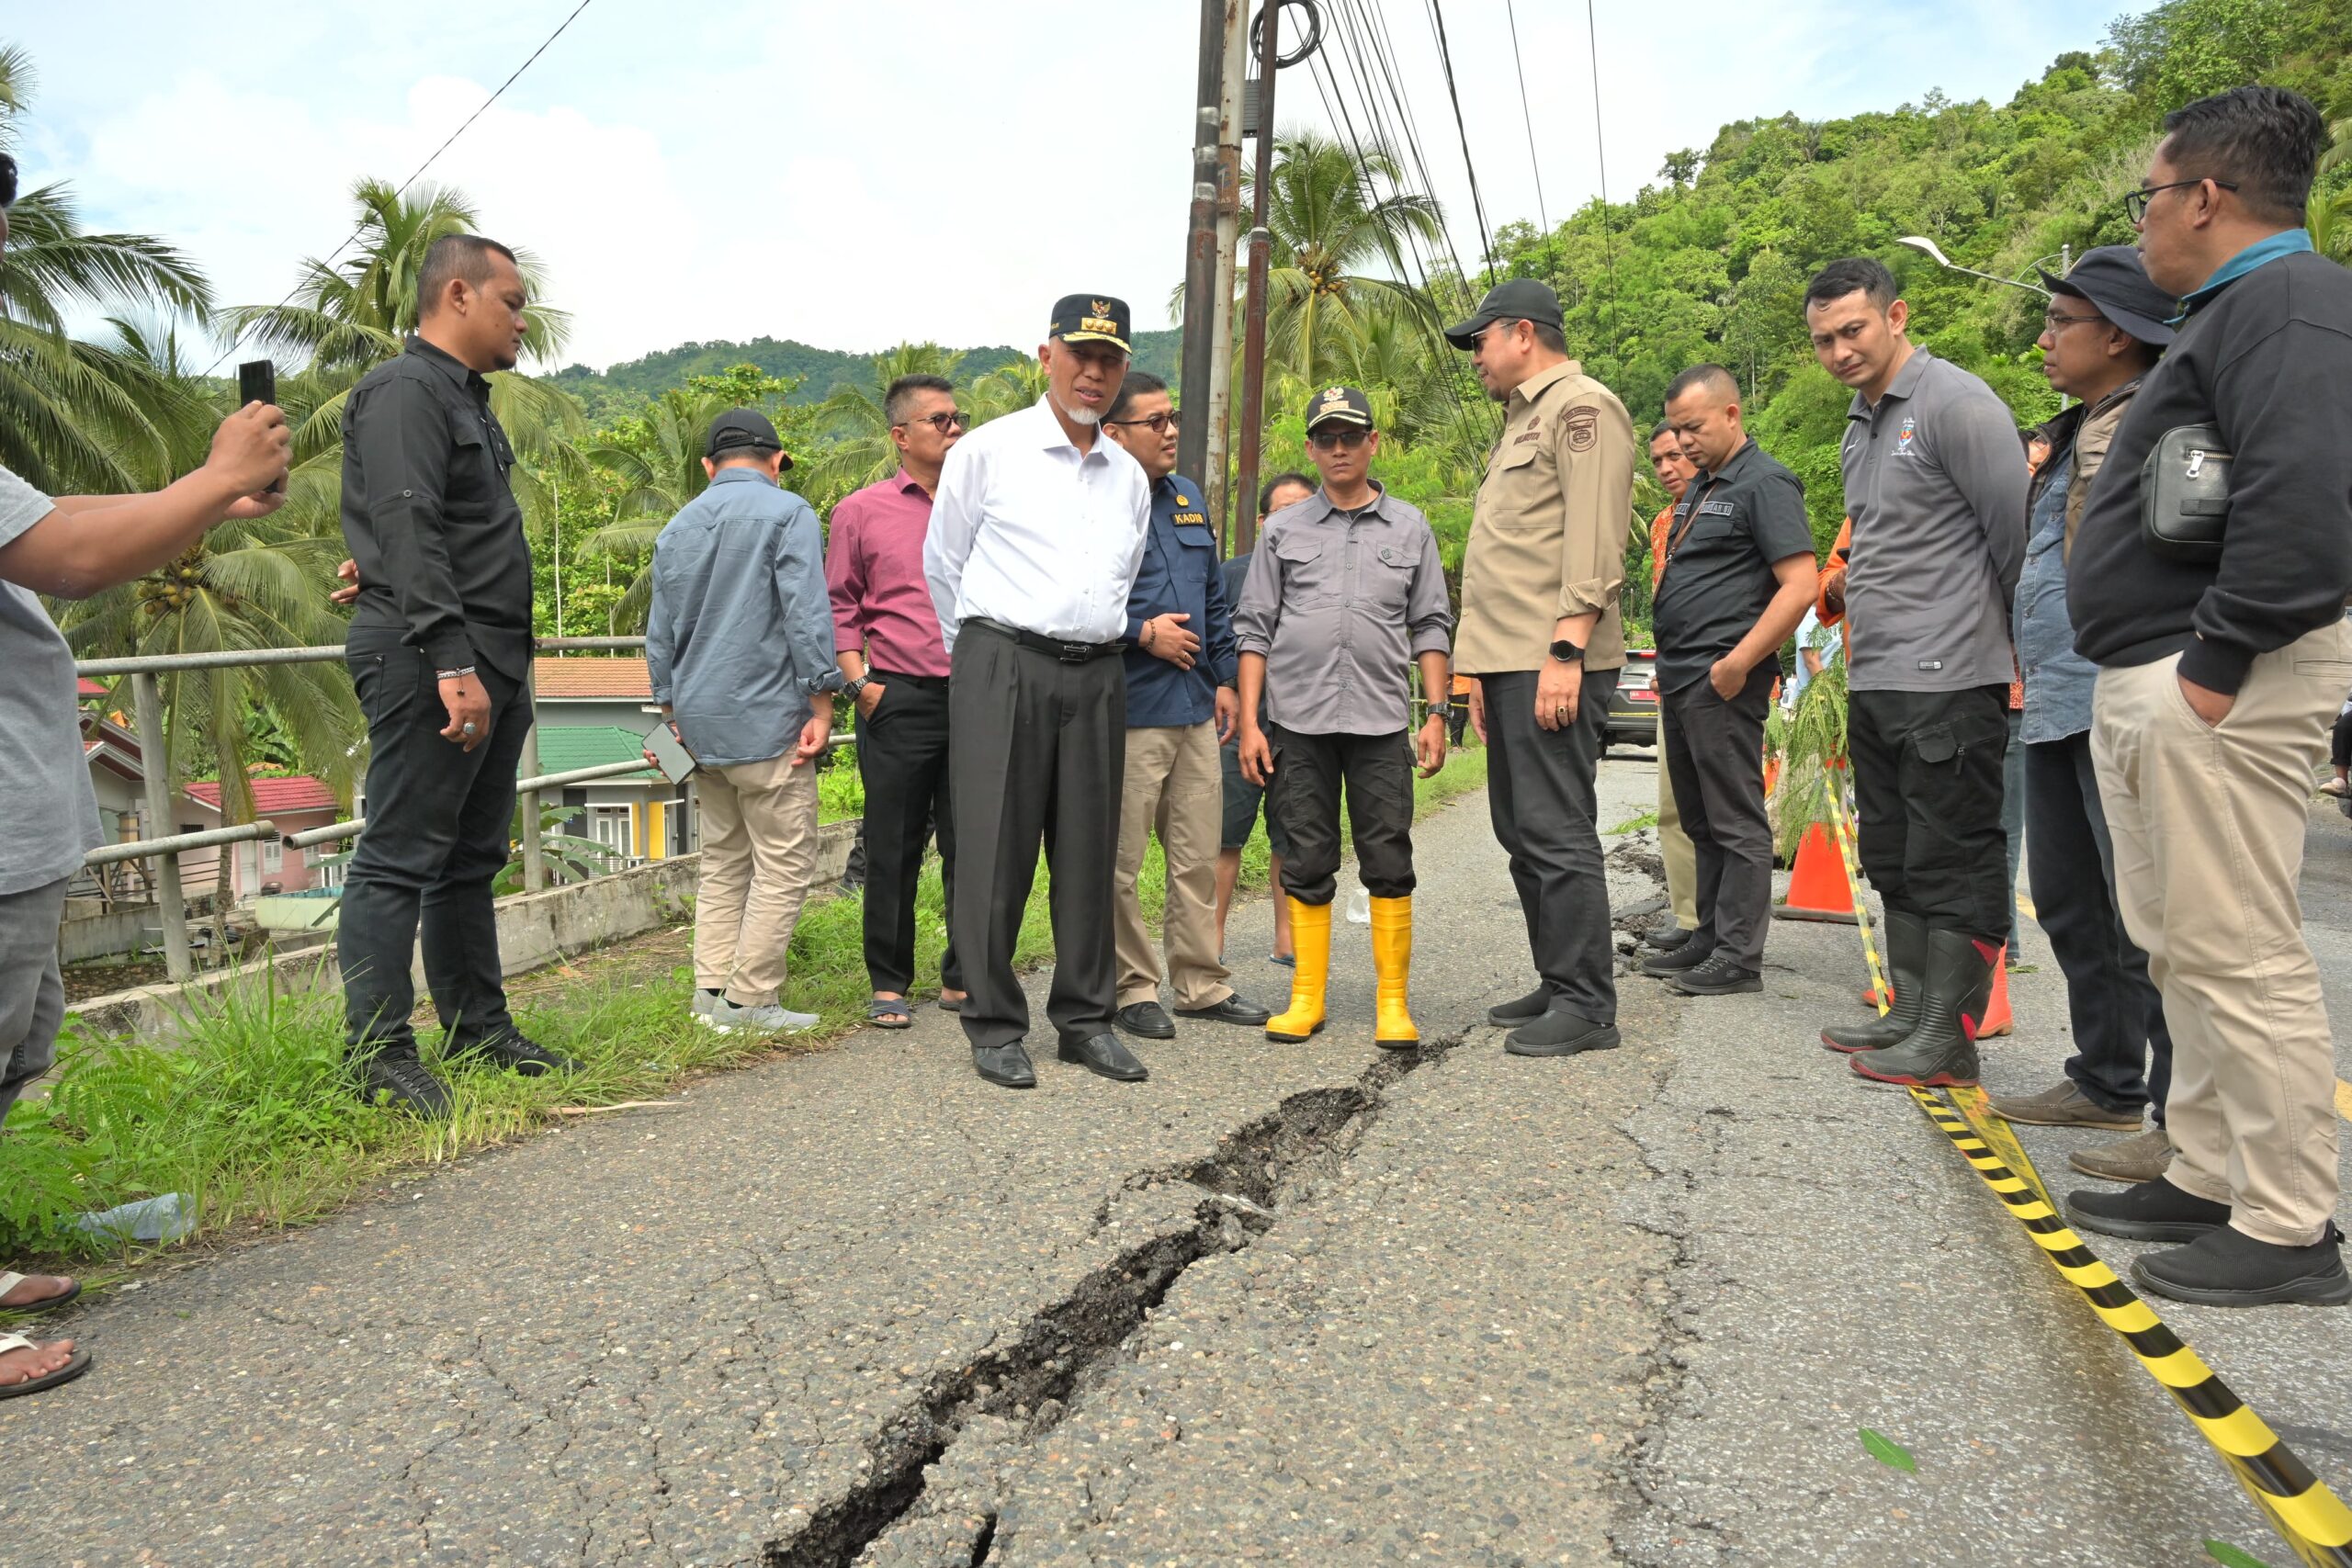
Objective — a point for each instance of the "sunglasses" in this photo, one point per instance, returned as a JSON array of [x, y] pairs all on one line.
[[1346, 438], [1158, 423], [953, 419], [8, 180]]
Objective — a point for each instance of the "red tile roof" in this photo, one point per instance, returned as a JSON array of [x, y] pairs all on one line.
[[89, 688], [301, 793], [621, 679]]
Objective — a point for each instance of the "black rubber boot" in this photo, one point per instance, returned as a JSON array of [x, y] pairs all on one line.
[[1942, 1050], [1906, 968]]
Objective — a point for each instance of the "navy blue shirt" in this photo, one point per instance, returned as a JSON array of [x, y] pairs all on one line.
[[1179, 575]]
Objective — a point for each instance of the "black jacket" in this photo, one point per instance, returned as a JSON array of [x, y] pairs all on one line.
[[429, 517], [2266, 358]]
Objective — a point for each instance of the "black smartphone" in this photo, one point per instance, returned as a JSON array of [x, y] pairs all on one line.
[[258, 383]]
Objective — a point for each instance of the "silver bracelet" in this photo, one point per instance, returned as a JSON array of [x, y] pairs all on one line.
[[453, 675]]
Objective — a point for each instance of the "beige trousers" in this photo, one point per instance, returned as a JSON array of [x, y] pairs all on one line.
[[2208, 822], [1674, 847], [1175, 787], [759, 854]]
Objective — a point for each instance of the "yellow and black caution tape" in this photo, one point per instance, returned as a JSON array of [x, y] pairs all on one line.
[[2309, 1516], [1841, 823]]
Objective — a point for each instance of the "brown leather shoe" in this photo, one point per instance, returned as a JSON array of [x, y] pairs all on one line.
[[2063, 1106], [2136, 1160]]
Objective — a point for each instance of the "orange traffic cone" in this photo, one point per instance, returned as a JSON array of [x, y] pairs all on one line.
[[1818, 888], [1997, 1017]]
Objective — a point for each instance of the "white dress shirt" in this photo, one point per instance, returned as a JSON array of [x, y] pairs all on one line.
[[1029, 532]]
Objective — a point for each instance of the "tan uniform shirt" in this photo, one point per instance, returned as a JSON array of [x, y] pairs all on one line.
[[1548, 536]]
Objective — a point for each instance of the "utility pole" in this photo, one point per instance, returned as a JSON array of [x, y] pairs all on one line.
[[1253, 335], [1218, 420], [1200, 252]]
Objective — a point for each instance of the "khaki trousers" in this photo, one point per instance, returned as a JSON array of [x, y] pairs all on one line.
[[2207, 823], [759, 855], [1674, 845], [1174, 787]]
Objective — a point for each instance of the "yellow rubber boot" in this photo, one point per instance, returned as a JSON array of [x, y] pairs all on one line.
[[1392, 964], [1310, 933]]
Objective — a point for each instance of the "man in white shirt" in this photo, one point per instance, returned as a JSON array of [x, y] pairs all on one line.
[[1037, 532]]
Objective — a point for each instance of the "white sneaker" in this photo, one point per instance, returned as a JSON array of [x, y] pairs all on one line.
[[730, 1019], [702, 1004]]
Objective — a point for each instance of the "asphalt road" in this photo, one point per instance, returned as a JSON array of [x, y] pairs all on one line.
[[1303, 1304]]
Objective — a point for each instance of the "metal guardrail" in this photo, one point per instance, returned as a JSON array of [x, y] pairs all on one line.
[[155, 766]]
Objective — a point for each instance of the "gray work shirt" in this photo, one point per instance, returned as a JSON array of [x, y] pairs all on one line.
[[742, 630], [52, 817], [2058, 681], [1339, 602], [1935, 483]]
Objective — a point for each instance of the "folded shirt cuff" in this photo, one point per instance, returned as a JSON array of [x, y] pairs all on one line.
[[1431, 642]]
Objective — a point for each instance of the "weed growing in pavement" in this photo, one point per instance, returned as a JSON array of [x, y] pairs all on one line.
[[252, 1116]]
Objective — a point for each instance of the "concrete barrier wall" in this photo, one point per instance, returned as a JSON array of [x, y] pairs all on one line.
[[534, 929], [102, 935]]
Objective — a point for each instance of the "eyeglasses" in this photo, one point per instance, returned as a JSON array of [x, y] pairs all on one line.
[[2054, 321], [1160, 423], [953, 419], [1347, 438], [2135, 202], [8, 180]]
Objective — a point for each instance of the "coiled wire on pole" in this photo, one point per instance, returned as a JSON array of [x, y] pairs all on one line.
[[1312, 41]]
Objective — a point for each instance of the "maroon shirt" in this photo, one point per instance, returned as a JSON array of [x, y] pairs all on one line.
[[874, 573]]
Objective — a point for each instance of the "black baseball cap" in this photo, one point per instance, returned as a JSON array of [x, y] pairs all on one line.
[[742, 430], [1090, 318], [1338, 405], [2112, 278], [1515, 299]]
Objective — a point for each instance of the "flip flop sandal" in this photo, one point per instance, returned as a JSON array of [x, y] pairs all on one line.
[[891, 1012], [1287, 960], [73, 1369], [47, 1304], [955, 1006]]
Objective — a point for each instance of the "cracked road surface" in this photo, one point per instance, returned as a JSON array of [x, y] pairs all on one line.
[[1306, 1303]]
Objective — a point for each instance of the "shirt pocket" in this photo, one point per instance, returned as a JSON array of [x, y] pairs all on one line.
[[475, 471], [1386, 580], [1515, 489], [1195, 559], [1307, 574]]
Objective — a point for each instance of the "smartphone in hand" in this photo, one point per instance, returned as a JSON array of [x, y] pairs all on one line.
[[258, 383]]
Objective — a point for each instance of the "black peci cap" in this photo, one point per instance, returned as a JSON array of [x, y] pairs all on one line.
[[739, 431], [2113, 278], [1090, 318], [1515, 299], [1338, 405]]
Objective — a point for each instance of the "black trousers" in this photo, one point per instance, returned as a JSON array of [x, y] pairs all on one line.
[[1540, 791], [902, 757], [1927, 782], [2118, 1015], [1714, 756], [439, 825], [1304, 796], [2339, 744], [1037, 752]]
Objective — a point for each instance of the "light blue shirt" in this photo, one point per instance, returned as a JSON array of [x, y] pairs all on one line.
[[1827, 641], [2286, 243], [2058, 681], [742, 630]]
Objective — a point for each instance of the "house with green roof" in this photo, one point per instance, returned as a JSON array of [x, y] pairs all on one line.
[[639, 816]]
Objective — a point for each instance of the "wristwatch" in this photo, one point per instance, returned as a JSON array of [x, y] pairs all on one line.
[[1567, 652], [854, 687]]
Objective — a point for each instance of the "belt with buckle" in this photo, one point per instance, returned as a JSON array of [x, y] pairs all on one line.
[[1053, 646]]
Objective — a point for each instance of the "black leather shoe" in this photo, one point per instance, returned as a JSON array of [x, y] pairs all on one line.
[[1007, 1067], [2227, 1268], [517, 1054], [1666, 938], [1718, 976], [2153, 1210], [1103, 1054], [1526, 1010], [1233, 1009], [1690, 955], [397, 1079], [1561, 1033], [1147, 1020]]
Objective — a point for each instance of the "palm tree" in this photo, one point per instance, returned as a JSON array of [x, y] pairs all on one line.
[[863, 452], [657, 460], [79, 417], [1008, 389]]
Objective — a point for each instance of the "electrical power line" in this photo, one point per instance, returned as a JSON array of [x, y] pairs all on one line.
[[414, 174], [1519, 64], [1478, 202], [1601, 152]]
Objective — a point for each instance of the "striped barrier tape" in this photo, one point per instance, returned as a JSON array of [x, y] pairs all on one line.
[[1841, 823], [2307, 1516]]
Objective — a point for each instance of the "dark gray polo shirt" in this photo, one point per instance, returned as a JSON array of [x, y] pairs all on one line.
[[1729, 528], [1935, 484]]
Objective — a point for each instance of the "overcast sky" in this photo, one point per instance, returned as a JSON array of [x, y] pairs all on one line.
[[851, 174]]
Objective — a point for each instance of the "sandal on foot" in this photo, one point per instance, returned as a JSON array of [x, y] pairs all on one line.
[[73, 1368], [891, 1012], [45, 1304]]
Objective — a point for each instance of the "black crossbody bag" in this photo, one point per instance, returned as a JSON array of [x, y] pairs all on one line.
[[2185, 495]]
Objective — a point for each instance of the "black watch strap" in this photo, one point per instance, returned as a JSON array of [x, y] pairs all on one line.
[[1567, 652]]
